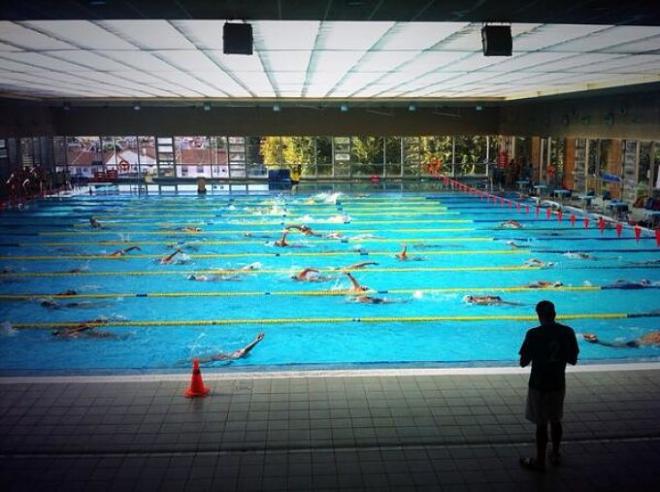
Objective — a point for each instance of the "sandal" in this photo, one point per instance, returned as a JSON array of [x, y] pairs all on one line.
[[555, 459], [531, 464]]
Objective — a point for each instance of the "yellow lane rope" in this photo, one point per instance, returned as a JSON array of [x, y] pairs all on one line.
[[284, 213], [272, 220], [256, 241], [320, 320], [303, 293], [107, 230], [289, 271], [255, 254]]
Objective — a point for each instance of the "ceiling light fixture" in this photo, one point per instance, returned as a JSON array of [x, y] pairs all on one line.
[[412, 107], [343, 108], [276, 108], [207, 107], [478, 107], [137, 107], [66, 106]]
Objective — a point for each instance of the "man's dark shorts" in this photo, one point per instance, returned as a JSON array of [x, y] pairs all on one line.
[[545, 406]]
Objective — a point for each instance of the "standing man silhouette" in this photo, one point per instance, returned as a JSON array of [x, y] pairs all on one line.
[[549, 347]]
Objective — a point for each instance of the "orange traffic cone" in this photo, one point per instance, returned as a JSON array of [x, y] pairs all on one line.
[[197, 387]]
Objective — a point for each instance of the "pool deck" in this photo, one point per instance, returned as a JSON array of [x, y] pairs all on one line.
[[460, 429]]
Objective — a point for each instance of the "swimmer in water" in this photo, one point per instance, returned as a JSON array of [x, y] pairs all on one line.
[[122, 252], [212, 278], [358, 266], [627, 284], [166, 260], [306, 230], [515, 245], [356, 287], [282, 243], [190, 229], [403, 255], [510, 224], [310, 275], [84, 329], [488, 301], [236, 354], [543, 284], [334, 235], [362, 299], [94, 224], [650, 339], [536, 263], [578, 255]]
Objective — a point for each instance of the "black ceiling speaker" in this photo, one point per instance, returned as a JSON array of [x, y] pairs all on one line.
[[496, 40], [237, 39]]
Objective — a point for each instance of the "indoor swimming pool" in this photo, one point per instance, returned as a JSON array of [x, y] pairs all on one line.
[[209, 273]]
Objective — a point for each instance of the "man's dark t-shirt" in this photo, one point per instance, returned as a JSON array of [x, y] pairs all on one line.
[[549, 348]]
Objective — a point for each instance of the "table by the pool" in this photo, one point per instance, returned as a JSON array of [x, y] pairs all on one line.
[[540, 189], [619, 208], [561, 194]]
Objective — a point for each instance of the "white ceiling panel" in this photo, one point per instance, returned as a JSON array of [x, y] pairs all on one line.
[[432, 60], [647, 45], [607, 38], [237, 63], [571, 60], [336, 63], [358, 80], [524, 61], [378, 61], [88, 59], [285, 35], [187, 60], [284, 78], [183, 58], [256, 82], [475, 62], [44, 61], [140, 60], [623, 64], [149, 34], [204, 34], [551, 34], [81, 33], [286, 61], [417, 36], [29, 39], [9, 47], [350, 35]]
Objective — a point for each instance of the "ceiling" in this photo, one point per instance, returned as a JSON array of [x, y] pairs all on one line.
[[320, 60]]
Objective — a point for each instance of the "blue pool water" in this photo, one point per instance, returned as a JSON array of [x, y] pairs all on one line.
[[159, 319]]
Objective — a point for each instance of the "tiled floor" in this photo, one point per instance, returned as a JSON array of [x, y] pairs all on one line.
[[324, 432]]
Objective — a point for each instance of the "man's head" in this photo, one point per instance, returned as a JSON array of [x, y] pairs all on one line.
[[546, 312]]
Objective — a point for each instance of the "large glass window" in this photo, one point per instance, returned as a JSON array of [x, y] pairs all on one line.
[[393, 156], [323, 156], [435, 150], [165, 156], [147, 155], [470, 154], [367, 156], [237, 157], [84, 156], [644, 172], [254, 161], [219, 156], [411, 156], [342, 156]]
